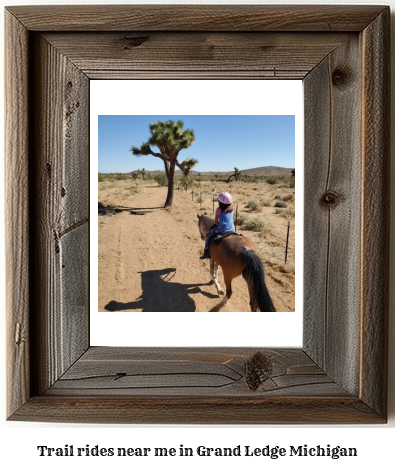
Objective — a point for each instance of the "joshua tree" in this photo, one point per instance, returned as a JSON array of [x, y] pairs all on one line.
[[170, 138], [237, 175]]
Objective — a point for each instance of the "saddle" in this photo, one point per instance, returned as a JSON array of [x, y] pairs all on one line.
[[217, 238]]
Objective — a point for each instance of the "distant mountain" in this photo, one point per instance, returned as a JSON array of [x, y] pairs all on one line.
[[268, 171], [260, 171]]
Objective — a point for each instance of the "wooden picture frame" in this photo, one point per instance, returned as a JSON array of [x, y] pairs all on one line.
[[340, 374]]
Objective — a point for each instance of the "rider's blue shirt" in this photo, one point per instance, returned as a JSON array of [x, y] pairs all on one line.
[[225, 221]]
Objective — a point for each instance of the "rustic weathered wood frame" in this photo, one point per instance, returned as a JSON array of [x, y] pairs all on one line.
[[340, 374]]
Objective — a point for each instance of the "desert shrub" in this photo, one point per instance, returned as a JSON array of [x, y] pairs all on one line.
[[285, 268], [161, 179], [288, 197], [256, 224], [280, 204], [119, 176], [186, 181], [265, 203], [241, 218], [254, 205], [289, 213], [271, 180]]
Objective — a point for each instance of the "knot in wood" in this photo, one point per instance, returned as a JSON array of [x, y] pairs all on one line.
[[135, 41], [259, 369], [339, 77], [330, 198]]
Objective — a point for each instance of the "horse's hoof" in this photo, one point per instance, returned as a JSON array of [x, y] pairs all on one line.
[[221, 292]]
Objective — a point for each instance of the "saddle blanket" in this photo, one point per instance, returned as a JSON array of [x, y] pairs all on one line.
[[217, 238]]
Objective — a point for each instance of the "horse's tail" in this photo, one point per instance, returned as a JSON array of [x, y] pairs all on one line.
[[255, 274]]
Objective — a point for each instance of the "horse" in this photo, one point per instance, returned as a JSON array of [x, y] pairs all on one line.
[[237, 255]]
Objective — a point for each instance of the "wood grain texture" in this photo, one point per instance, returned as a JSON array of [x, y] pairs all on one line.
[[195, 55], [332, 214], [60, 188], [192, 372], [339, 376], [17, 213], [376, 211], [317, 113], [198, 410], [74, 293], [196, 18]]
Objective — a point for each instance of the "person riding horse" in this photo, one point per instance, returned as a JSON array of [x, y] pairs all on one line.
[[223, 221], [237, 255]]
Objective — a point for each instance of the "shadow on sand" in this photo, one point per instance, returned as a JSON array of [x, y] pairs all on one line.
[[160, 294], [103, 210]]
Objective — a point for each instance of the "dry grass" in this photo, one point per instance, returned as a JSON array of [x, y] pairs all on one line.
[[263, 212], [113, 192]]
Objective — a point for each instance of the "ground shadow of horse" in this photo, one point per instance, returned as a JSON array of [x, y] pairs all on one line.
[[162, 294]]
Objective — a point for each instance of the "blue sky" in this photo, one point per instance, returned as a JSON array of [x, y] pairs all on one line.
[[222, 142]]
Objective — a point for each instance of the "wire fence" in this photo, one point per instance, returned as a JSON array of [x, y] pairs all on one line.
[[205, 198]]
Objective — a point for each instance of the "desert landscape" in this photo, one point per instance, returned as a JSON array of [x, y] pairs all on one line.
[[149, 255]]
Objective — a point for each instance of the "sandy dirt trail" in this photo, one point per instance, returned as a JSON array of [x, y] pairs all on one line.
[[149, 260]]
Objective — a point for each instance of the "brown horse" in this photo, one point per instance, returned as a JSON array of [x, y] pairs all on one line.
[[237, 255]]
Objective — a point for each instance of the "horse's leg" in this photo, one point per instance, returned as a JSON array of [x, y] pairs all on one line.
[[219, 288], [228, 284], [226, 297], [214, 276]]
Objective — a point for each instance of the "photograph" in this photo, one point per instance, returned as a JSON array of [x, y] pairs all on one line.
[[196, 213]]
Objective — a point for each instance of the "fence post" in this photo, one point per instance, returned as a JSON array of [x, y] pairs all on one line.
[[286, 246]]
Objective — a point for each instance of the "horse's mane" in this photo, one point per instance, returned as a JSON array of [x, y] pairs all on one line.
[[207, 220], [208, 217]]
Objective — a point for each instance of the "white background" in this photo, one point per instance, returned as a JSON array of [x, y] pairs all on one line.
[[277, 97], [18, 441]]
